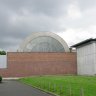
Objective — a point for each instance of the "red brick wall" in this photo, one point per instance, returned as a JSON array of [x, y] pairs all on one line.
[[28, 64]]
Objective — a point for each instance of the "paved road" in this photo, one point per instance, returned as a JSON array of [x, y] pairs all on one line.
[[14, 88]]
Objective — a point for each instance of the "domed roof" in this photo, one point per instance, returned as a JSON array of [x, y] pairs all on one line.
[[43, 42]]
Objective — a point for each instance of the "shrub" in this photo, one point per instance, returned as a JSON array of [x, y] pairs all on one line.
[[0, 79]]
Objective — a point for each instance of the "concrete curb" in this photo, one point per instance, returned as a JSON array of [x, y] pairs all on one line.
[[53, 94], [15, 78]]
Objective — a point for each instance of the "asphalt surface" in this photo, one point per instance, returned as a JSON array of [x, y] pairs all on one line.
[[15, 88]]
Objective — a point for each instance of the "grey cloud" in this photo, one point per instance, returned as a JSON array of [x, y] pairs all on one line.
[[86, 4], [19, 18], [48, 7], [5, 43]]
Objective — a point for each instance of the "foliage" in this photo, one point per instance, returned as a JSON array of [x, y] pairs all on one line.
[[64, 85], [0, 79], [2, 53]]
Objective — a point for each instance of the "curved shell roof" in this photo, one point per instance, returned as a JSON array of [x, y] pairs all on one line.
[[43, 42]]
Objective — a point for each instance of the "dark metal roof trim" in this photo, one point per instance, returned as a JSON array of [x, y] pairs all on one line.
[[84, 42]]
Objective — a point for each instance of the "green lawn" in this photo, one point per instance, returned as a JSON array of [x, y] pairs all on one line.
[[64, 85]]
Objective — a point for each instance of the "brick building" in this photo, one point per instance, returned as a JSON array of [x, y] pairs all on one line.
[[42, 53]]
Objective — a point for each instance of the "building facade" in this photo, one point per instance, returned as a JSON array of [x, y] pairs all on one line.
[[45, 53], [42, 53], [86, 57]]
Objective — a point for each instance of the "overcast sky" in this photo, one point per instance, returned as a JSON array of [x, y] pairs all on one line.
[[73, 20]]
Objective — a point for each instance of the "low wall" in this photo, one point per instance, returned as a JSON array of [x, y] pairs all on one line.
[[3, 61], [28, 64]]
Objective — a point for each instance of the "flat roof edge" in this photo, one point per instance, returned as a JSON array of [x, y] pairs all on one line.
[[84, 42]]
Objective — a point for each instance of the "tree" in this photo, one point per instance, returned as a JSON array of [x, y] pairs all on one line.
[[2, 53]]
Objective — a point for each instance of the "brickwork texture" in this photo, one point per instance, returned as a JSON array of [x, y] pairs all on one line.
[[20, 64]]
